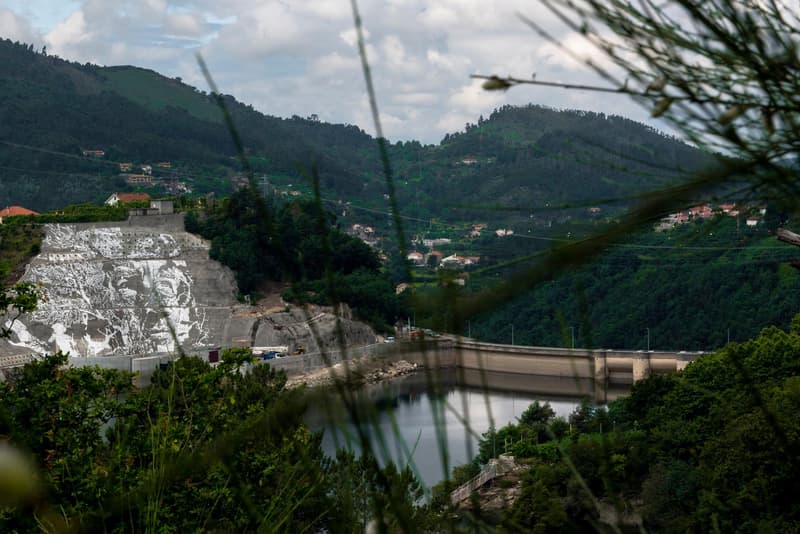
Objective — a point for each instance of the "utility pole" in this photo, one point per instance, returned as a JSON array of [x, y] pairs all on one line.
[[572, 331], [512, 333], [648, 339], [469, 329]]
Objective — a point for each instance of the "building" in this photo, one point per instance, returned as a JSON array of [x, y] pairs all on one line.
[[430, 243], [403, 286], [476, 230], [144, 179], [703, 212], [125, 167], [452, 261], [157, 207], [147, 169], [163, 206], [672, 220], [416, 258], [126, 198], [15, 211], [433, 258], [177, 188], [240, 180]]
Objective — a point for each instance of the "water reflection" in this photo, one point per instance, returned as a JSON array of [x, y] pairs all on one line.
[[410, 418]]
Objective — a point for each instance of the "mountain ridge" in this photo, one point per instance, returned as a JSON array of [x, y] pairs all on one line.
[[518, 156]]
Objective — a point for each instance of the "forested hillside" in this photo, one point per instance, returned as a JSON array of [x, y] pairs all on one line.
[[299, 243], [693, 288], [531, 158], [54, 109], [525, 158]]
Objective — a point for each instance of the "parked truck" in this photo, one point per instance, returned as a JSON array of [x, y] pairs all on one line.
[[268, 353]]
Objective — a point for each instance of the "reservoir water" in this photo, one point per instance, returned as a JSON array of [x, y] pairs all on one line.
[[408, 422]]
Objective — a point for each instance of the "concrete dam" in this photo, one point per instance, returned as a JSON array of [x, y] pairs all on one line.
[[146, 287], [602, 374]]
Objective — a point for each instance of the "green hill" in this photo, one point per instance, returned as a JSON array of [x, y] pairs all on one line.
[[54, 109], [157, 93], [692, 288], [518, 157]]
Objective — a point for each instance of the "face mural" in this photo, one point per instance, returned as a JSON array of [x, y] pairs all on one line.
[[114, 291]]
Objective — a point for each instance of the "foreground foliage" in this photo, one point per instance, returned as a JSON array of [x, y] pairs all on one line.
[[714, 448], [200, 448]]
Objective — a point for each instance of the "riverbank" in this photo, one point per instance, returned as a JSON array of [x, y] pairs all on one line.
[[360, 371]]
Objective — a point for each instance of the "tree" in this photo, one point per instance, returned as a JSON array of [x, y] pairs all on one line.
[[23, 297], [537, 414], [199, 448]]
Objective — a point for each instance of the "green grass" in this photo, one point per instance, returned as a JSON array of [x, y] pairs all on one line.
[[18, 242], [156, 92]]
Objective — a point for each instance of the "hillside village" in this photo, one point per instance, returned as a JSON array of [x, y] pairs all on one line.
[[456, 251], [753, 215], [444, 254]]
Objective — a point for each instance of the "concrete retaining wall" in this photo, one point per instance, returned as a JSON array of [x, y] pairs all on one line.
[[311, 362]]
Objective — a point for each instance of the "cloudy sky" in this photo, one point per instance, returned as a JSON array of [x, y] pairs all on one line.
[[298, 57]]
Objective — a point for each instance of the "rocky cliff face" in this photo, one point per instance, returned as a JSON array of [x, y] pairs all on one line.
[[146, 286]]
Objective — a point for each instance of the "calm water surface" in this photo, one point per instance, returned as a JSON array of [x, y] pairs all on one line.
[[404, 427]]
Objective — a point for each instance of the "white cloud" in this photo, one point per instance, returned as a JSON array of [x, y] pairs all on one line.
[[16, 28], [68, 33], [473, 100], [335, 64], [185, 24], [417, 98], [451, 63], [290, 57], [397, 60], [350, 36], [266, 29]]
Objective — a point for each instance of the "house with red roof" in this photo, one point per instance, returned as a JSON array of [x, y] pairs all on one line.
[[126, 198], [416, 258], [15, 211], [436, 255], [704, 211]]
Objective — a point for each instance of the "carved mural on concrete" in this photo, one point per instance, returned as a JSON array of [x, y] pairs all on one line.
[[143, 286]]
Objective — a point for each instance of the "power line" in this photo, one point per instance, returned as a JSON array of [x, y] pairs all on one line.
[[657, 247]]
